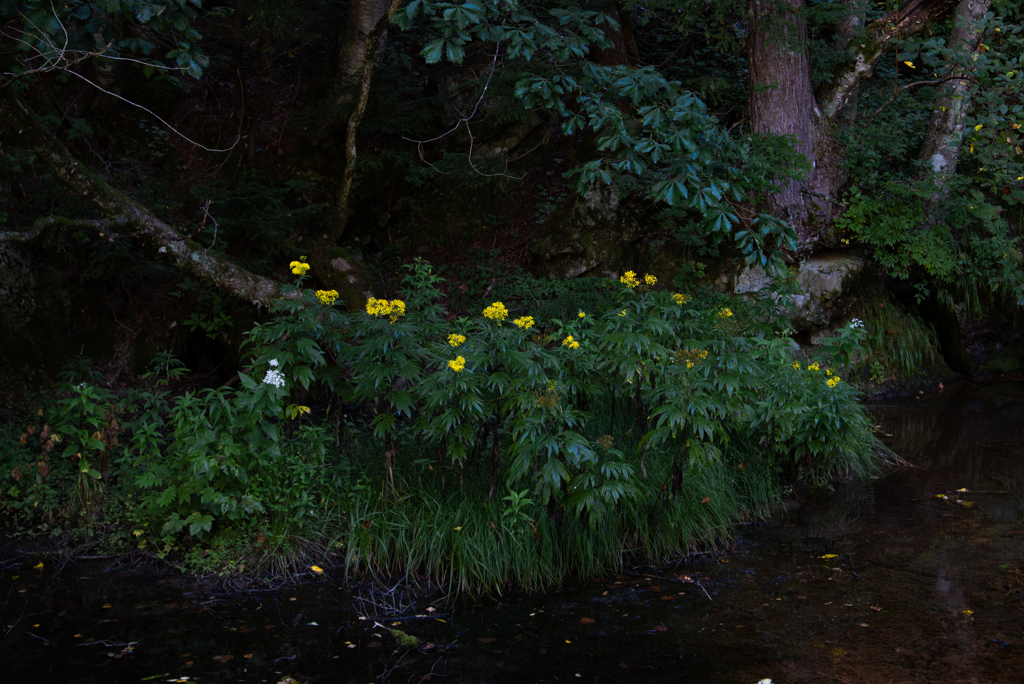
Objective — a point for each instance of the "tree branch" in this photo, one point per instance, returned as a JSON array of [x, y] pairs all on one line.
[[17, 117], [910, 18]]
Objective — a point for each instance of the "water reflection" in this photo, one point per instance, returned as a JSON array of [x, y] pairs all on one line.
[[879, 581]]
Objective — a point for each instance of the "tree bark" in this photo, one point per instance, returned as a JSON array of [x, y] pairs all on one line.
[[342, 210], [363, 16], [944, 140], [121, 210], [781, 100]]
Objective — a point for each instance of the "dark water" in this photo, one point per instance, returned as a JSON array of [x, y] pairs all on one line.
[[880, 581]]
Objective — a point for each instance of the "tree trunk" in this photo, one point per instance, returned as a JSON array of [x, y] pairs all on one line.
[[782, 103], [120, 210], [781, 100], [350, 56], [848, 27], [618, 53], [942, 143], [342, 208]]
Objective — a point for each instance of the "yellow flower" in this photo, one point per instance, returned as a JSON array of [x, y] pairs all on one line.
[[650, 280], [457, 364], [581, 315], [833, 381], [496, 312], [570, 343], [724, 313], [382, 307], [681, 298], [455, 339], [629, 279], [524, 322], [828, 371], [796, 365], [813, 367], [623, 313], [298, 268], [318, 570], [327, 297]]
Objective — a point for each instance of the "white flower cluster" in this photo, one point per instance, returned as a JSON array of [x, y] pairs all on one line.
[[273, 377], [856, 323]]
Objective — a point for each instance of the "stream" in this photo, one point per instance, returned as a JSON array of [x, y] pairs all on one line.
[[915, 576]]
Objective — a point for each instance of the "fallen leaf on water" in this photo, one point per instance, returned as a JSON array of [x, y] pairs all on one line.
[[877, 609], [223, 658], [486, 640], [587, 621]]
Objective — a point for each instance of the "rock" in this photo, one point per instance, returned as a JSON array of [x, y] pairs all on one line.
[[822, 279], [590, 235]]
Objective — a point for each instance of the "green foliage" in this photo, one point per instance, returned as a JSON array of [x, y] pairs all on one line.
[[898, 342]]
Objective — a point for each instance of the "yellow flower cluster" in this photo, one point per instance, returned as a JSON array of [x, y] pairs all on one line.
[[525, 322], [681, 298], [796, 365], [691, 357], [457, 364], [629, 279], [382, 307], [724, 313], [650, 280], [814, 366], [623, 313], [496, 312], [833, 381], [327, 297], [455, 339], [570, 343], [299, 267], [581, 315]]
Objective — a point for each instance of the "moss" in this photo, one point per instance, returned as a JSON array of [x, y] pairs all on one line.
[[405, 640]]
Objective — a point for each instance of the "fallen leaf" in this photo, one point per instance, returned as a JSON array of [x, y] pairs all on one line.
[[864, 624], [431, 609], [248, 656], [189, 663], [661, 628], [223, 658], [106, 605], [587, 621], [486, 640], [269, 626], [318, 570], [877, 609], [801, 597], [828, 556], [293, 599], [706, 499]]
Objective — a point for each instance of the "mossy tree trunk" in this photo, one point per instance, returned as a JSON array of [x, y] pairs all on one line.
[[121, 212]]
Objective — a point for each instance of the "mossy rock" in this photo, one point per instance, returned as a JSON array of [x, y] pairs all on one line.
[[337, 268]]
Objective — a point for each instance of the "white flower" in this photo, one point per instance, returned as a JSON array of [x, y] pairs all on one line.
[[274, 378], [856, 323], [273, 363]]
